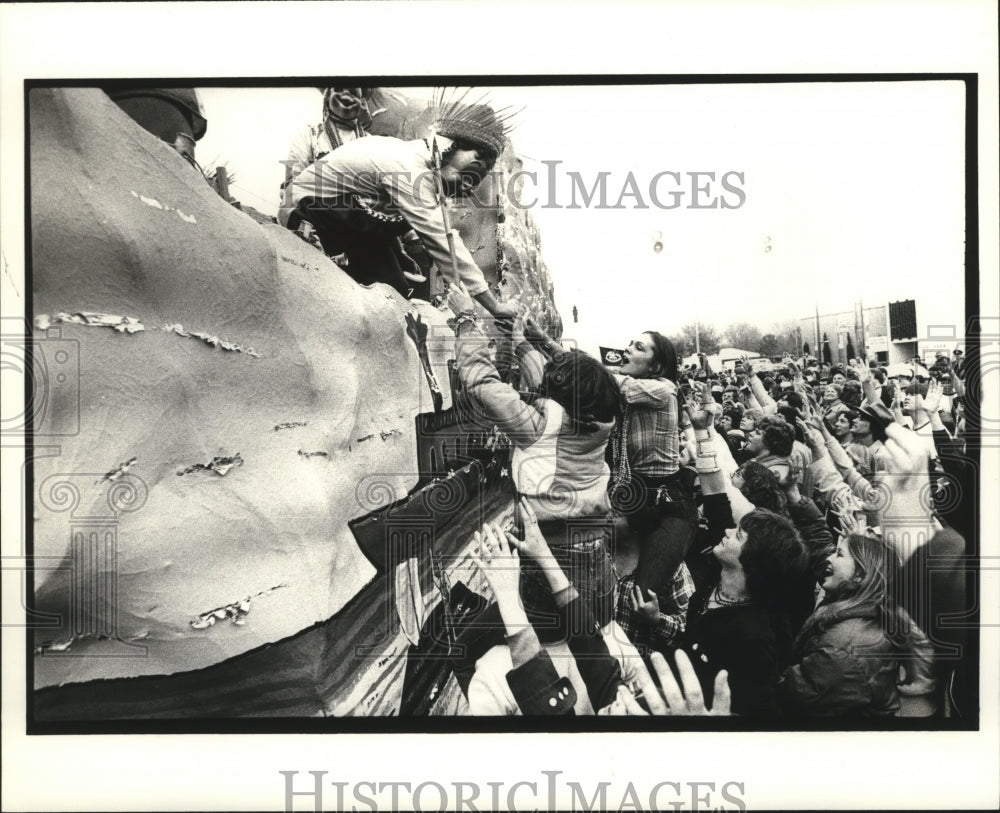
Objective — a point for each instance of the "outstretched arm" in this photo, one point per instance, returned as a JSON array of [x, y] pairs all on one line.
[[494, 401], [767, 403]]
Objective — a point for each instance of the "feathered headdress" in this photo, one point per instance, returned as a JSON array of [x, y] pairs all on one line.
[[473, 121]]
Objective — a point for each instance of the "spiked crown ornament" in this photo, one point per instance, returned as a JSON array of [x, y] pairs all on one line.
[[475, 121]]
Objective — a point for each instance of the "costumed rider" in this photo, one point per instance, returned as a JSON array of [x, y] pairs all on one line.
[[366, 193], [173, 115], [346, 117]]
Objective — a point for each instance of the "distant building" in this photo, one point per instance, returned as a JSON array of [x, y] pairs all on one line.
[[890, 333]]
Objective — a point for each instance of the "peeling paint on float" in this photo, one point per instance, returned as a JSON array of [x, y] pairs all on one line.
[[209, 339], [131, 324], [219, 465], [155, 204], [121, 324], [236, 611], [117, 472]]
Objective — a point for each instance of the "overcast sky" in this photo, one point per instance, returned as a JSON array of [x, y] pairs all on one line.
[[849, 190]]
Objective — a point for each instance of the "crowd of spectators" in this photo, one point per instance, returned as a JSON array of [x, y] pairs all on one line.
[[784, 521], [801, 531]]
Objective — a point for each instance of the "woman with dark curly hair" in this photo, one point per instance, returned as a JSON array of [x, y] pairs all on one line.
[[851, 649]]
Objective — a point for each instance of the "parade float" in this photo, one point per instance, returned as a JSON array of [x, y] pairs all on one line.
[[253, 490]]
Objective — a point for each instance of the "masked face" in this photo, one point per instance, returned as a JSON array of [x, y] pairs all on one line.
[[345, 103]]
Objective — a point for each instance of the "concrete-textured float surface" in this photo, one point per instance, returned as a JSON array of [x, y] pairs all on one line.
[[318, 389]]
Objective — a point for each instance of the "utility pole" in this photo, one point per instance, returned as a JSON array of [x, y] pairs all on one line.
[[862, 344], [697, 337], [819, 345]]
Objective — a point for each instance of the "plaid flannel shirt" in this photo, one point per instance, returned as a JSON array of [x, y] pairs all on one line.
[[659, 637]]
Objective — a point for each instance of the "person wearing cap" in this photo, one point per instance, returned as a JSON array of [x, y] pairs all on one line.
[[173, 115], [958, 362], [364, 194]]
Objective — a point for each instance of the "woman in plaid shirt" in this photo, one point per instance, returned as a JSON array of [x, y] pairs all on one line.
[[647, 485]]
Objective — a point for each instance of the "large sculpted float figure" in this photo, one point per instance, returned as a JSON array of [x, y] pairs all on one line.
[[225, 394]]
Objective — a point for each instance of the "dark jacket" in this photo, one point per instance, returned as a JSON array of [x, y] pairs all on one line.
[[848, 669], [748, 641], [819, 543]]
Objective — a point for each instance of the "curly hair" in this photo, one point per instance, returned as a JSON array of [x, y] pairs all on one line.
[[793, 398], [779, 437], [761, 487], [773, 558], [582, 386], [850, 394]]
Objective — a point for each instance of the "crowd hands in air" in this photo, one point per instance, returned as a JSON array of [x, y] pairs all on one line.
[[778, 523], [783, 524]]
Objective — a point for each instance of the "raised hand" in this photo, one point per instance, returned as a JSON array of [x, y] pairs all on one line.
[[704, 392], [932, 401], [534, 545], [649, 609], [850, 514], [862, 369], [517, 336], [700, 414], [671, 699], [533, 332], [499, 564]]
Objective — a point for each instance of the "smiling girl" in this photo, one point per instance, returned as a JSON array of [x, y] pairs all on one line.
[[851, 649]]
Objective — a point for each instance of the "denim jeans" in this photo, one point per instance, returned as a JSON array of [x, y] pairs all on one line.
[[580, 547], [665, 523]]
